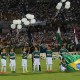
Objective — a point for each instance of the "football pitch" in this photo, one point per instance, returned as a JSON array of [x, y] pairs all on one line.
[[43, 75]]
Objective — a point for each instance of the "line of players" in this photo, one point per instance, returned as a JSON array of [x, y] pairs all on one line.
[[24, 54]]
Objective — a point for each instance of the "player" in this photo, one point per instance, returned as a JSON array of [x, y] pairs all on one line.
[[36, 55], [12, 60], [24, 60], [31, 51], [62, 51], [3, 60], [63, 65], [49, 58]]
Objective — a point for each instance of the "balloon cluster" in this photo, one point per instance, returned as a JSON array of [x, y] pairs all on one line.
[[29, 19], [59, 5]]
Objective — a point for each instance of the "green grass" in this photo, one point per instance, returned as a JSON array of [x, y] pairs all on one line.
[[43, 75]]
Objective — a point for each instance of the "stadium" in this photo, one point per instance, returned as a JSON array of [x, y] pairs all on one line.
[[39, 39]]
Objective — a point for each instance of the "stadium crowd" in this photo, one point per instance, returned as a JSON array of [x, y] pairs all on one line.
[[42, 35], [42, 10], [40, 38]]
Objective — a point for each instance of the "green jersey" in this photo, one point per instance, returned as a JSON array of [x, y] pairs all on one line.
[[48, 53], [63, 51], [63, 64], [12, 55], [36, 54], [3, 55], [24, 55]]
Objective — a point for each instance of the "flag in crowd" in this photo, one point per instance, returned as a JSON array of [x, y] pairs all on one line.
[[58, 36], [76, 35]]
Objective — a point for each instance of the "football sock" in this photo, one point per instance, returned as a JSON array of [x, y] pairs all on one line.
[[50, 67], [47, 67], [2, 69]]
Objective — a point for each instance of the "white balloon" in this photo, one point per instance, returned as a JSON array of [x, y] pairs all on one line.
[[13, 26], [59, 4], [18, 21], [32, 16], [33, 21], [24, 19], [26, 23], [19, 26], [58, 7], [67, 6], [14, 21], [63, 0], [28, 16], [68, 3]]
